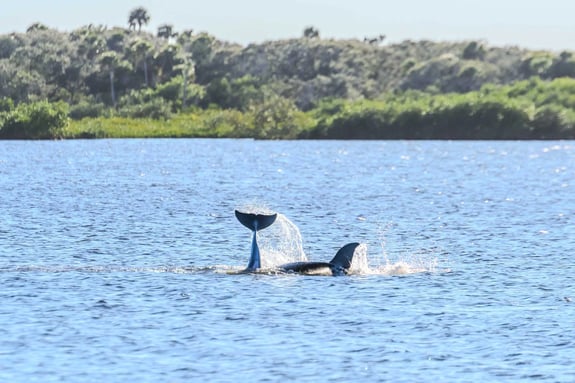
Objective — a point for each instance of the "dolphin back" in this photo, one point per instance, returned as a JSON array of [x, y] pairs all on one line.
[[255, 222], [343, 257]]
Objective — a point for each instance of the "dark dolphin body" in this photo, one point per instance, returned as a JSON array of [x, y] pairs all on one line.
[[339, 265]]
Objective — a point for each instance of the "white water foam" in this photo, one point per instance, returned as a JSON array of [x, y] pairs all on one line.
[[420, 260], [281, 243]]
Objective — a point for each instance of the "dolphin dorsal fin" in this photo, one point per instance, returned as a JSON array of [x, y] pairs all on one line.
[[344, 256]]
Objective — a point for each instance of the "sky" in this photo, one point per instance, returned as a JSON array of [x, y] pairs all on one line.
[[548, 25]]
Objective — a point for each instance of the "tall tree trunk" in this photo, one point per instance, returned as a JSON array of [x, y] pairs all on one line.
[[146, 72], [185, 85], [112, 91]]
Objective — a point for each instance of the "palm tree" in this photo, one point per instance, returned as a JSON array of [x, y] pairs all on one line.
[[311, 33], [166, 61], [110, 60], [138, 16], [187, 70], [36, 27], [166, 31], [141, 50]]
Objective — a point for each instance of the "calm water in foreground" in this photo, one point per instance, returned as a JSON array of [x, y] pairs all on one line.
[[116, 260]]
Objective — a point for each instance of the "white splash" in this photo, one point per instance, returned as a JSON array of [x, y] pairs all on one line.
[[281, 243], [410, 263]]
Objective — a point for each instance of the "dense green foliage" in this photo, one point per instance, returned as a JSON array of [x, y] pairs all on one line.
[[531, 109], [194, 85], [36, 120]]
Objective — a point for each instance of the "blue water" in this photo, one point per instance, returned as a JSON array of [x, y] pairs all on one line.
[[117, 261]]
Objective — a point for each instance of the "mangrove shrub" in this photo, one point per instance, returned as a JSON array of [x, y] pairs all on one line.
[[37, 120]]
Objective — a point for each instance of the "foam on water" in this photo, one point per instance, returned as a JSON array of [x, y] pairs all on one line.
[[421, 262]]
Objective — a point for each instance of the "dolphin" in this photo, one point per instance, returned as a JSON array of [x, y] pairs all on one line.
[[339, 265]]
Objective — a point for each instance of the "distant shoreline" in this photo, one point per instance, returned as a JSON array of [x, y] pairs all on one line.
[[100, 82]]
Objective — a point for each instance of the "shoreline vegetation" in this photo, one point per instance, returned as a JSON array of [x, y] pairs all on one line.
[[100, 82]]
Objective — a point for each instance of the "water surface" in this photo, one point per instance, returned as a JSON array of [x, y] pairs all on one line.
[[114, 257]]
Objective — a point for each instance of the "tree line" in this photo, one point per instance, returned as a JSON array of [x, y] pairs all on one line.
[[332, 88]]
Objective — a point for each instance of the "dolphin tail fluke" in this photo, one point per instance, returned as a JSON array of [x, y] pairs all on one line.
[[255, 222], [342, 260]]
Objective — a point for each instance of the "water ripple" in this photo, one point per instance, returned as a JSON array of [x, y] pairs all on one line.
[[119, 261]]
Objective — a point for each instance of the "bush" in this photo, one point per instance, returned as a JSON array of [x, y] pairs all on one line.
[[474, 51], [224, 123], [6, 104], [38, 120], [172, 91], [157, 109], [551, 122], [277, 118], [87, 109]]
